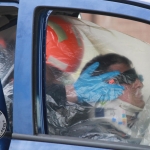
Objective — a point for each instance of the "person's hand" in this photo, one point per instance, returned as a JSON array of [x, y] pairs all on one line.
[[95, 88]]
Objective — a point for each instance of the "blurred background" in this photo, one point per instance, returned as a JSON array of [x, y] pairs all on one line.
[[133, 28]]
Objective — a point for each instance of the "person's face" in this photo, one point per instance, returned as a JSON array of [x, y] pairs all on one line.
[[132, 93]]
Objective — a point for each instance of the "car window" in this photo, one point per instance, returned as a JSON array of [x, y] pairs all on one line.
[[97, 80], [7, 52]]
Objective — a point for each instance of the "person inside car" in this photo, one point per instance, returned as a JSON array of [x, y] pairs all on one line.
[[63, 56], [110, 120], [64, 52]]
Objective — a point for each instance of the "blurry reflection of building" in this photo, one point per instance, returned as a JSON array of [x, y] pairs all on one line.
[[133, 28]]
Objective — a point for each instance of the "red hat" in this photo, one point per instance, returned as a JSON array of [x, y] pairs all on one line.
[[64, 46]]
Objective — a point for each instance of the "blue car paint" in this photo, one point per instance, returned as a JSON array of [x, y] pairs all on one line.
[[23, 105], [140, 3]]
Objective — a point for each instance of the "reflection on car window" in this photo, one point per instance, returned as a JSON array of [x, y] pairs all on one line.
[[7, 51], [96, 87]]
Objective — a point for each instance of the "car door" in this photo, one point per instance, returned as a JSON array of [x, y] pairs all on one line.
[[32, 120]]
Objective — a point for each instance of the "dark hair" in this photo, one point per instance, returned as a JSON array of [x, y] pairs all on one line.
[[105, 62]]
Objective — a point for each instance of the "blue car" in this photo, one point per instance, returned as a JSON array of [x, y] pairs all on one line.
[[74, 74]]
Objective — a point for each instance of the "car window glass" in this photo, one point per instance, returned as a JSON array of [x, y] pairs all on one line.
[[96, 82], [7, 51]]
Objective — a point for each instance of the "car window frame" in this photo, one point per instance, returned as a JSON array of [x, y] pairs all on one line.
[[76, 140], [30, 123]]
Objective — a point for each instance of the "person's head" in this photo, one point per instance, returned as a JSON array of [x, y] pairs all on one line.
[[131, 102], [64, 48], [128, 77], [64, 45]]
